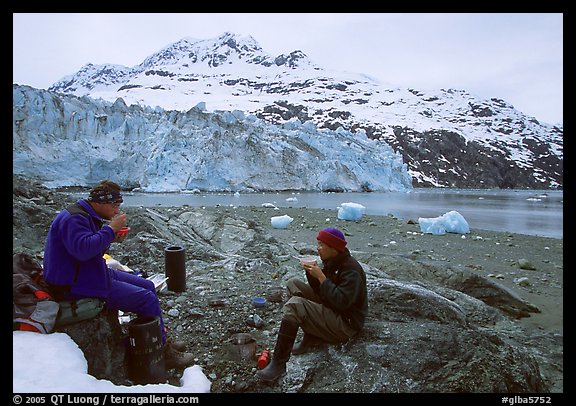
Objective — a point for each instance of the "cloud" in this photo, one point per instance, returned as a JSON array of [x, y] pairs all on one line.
[[514, 56]]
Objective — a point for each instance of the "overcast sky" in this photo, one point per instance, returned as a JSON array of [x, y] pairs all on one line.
[[517, 57]]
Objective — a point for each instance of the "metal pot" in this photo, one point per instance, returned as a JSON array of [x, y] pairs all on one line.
[[241, 347]]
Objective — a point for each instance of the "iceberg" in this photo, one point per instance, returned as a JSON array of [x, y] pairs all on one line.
[[351, 211], [451, 222], [281, 221]]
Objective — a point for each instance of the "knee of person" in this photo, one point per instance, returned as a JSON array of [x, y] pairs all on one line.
[[151, 297], [294, 301], [295, 309], [293, 304], [292, 285], [290, 282], [150, 286]]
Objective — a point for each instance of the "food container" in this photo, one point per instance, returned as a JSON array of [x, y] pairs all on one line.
[[307, 260], [175, 268], [258, 302]]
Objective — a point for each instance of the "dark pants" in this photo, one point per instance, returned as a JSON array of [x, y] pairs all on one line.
[[313, 317]]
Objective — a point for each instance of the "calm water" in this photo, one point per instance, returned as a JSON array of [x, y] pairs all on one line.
[[519, 211]]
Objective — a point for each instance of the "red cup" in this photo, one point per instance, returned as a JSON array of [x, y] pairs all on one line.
[[123, 231]]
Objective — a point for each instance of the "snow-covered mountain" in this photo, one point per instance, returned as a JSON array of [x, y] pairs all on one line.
[[446, 137]]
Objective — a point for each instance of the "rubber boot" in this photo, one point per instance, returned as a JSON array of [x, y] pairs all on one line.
[[308, 342], [281, 354]]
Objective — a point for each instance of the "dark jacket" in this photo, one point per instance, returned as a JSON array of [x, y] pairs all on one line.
[[74, 248], [345, 289]]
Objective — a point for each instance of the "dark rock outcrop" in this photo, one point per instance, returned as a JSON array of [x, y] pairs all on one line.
[[101, 339]]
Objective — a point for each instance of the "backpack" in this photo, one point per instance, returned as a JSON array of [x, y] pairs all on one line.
[[34, 306]]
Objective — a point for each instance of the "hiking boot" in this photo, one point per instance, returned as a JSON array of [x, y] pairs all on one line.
[[272, 372], [176, 359], [177, 345]]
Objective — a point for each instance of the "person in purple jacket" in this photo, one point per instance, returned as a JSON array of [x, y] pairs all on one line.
[[74, 266], [331, 307]]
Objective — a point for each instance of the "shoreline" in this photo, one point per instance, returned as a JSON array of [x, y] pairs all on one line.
[[485, 209], [531, 267]]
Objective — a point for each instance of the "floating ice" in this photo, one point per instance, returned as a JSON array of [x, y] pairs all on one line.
[[451, 222], [281, 221], [350, 211]]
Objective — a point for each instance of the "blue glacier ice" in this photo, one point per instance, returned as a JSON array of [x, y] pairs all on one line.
[[451, 222], [281, 221], [351, 211]]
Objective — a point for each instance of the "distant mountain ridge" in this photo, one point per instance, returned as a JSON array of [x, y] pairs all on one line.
[[182, 54], [446, 137]]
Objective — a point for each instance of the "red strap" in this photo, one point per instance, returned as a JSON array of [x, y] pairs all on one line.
[[40, 294], [28, 327]]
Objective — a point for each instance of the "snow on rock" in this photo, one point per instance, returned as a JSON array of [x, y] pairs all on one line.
[[57, 365]]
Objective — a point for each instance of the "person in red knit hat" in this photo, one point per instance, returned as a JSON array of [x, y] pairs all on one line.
[[330, 307]]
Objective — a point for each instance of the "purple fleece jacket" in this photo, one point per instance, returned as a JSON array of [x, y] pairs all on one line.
[[73, 252]]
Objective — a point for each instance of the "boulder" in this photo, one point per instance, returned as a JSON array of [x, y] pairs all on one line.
[[101, 339]]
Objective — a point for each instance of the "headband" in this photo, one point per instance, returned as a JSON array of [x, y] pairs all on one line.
[[103, 196]]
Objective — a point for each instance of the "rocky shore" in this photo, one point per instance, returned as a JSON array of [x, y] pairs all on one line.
[[477, 313]]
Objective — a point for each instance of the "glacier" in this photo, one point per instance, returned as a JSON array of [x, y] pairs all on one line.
[[65, 140]]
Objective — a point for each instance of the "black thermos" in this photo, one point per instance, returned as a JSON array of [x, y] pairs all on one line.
[[176, 268]]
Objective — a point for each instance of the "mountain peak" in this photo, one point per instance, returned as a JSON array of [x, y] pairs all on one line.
[[224, 49]]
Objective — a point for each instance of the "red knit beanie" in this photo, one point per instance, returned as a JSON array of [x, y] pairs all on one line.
[[333, 238]]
